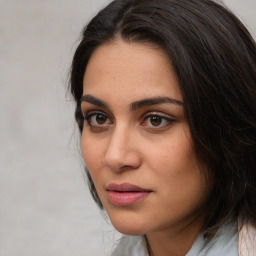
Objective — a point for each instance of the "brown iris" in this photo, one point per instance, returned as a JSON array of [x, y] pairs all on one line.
[[155, 120], [101, 119]]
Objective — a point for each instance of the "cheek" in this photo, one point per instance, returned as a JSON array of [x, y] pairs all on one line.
[[174, 153], [91, 152], [178, 171], [87, 150]]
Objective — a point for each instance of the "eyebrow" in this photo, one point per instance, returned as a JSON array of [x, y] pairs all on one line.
[[135, 105], [91, 99], [154, 101]]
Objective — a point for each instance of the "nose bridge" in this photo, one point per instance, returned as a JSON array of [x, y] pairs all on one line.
[[121, 150], [119, 140]]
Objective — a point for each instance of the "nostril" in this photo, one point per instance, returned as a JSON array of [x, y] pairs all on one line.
[[128, 167], [125, 162], [121, 154]]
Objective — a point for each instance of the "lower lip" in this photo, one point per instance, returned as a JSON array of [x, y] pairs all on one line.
[[126, 198]]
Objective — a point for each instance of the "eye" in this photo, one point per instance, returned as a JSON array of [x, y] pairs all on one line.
[[97, 119], [156, 121]]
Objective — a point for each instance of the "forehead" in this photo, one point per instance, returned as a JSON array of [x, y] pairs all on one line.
[[130, 68]]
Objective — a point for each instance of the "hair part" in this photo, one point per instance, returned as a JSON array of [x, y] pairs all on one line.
[[214, 57]]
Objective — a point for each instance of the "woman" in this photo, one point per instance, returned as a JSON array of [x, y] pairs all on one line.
[[165, 93]]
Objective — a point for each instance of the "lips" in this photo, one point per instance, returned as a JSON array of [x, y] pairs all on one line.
[[126, 194]]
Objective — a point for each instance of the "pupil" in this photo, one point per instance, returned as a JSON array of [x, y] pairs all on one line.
[[100, 119], [155, 120]]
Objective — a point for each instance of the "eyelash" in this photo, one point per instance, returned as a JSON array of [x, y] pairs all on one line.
[[159, 117]]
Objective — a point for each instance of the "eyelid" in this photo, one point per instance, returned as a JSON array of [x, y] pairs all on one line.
[[89, 117], [167, 120], [156, 113], [87, 107], [95, 112], [88, 113]]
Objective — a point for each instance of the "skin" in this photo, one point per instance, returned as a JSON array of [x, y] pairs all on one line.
[[124, 145]]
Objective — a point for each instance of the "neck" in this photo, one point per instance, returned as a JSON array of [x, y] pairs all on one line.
[[174, 241]]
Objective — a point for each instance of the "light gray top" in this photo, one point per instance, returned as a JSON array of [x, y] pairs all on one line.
[[223, 243]]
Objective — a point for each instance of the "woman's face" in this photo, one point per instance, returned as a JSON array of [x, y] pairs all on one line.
[[136, 141]]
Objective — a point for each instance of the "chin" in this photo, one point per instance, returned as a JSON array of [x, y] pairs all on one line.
[[129, 230], [128, 225]]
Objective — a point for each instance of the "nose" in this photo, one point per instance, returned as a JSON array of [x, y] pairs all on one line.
[[122, 152]]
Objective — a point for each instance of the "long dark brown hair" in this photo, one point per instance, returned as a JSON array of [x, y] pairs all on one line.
[[214, 57]]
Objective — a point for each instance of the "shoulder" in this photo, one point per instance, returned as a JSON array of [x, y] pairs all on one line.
[[224, 242], [247, 240], [131, 245]]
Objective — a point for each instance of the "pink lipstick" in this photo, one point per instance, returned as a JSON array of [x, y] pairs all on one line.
[[126, 194]]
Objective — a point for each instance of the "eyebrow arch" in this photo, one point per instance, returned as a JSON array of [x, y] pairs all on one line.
[[91, 99], [154, 101], [135, 105]]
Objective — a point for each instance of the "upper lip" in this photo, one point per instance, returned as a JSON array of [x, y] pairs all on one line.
[[125, 187]]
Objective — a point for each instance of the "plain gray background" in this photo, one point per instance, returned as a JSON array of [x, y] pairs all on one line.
[[45, 206]]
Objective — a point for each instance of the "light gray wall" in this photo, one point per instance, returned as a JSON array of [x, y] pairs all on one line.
[[45, 207]]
